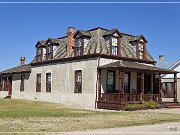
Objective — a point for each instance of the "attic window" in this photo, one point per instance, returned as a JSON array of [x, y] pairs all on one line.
[[141, 50], [49, 52], [114, 46], [112, 43], [39, 54], [79, 46]]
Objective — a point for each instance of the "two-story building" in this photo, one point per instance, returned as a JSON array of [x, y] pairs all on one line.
[[96, 68]]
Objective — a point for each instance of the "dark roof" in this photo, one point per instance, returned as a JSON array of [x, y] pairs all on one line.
[[97, 45], [19, 69], [40, 43], [137, 38], [84, 33], [135, 65]]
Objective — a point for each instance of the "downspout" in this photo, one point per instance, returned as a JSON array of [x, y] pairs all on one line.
[[97, 79]]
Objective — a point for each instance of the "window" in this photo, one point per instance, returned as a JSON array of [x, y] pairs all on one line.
[[110, 85], [39, 54], [141, 50], [112, 43], [1, 83], [49, 52], [22, 82], [5, 83], [78, 81], [78, 46], [38, 83], [114, 46], [126, 82], [48, 82]]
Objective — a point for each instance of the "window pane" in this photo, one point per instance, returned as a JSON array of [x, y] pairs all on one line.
[[114, 50], [114, 41]]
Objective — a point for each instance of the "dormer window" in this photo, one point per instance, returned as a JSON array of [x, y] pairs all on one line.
[[139, 46], [49, 52], [79, 46], [113, 42], [141, 50], [81, 41], [39, 54], [114, 46]]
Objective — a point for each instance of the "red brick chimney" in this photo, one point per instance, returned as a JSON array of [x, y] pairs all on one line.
[[22, 60], [70, 40]]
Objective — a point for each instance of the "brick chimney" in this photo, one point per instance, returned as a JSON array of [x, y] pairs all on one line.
[[22, 60], [70, 40], [161, 57]]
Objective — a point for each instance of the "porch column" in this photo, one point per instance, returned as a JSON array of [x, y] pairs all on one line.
[[99, 84], [160, 87], [121, 85], [175, 87], [152, 89], [142, 87]]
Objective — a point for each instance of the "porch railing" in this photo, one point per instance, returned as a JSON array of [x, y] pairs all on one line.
[[116, 97]]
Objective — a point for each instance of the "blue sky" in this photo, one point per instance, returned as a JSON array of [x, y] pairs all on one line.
[[22, 25]]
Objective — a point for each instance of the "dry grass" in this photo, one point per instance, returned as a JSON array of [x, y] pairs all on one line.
[[30, 116]]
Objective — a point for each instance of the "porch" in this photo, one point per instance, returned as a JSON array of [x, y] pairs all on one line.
[[125, 82]]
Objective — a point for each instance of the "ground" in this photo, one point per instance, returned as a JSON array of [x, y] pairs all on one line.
[[33, 116]]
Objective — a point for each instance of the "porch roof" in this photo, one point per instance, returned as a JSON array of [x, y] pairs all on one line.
[[15, 70], [136, 66]]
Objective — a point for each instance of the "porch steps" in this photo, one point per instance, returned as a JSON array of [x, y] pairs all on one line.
[[171, 104], [8, 96]]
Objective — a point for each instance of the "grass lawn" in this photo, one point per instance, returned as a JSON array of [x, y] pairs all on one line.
[[34, 116]]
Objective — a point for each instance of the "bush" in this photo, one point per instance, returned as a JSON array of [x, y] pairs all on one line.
[[142, 106]]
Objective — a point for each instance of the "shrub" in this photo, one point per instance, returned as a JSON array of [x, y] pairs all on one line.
[[142, 106]]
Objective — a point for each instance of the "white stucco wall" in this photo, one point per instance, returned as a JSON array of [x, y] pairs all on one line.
[[63, 82]]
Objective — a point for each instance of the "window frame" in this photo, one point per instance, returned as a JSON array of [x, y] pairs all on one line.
[[129, 82], [114, 46], [49, 52], [80, 48], [113, 90], [22, 82], [38, 85], [141, 50], [47, 83], [76, 82], [39, 56]]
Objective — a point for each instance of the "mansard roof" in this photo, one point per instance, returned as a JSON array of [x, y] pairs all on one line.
[[26, 68], [97, 45]]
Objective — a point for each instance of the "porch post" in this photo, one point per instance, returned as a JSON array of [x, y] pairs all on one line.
[[160, 87], [99, 84], [142, 87], [121, 85], [152, 89], [175, 87]]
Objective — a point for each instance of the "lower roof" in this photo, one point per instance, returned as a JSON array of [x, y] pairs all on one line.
[[16, 70], [136, 66]]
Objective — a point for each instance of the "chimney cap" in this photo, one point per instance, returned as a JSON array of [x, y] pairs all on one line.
[[161, 57], [22, 60]]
